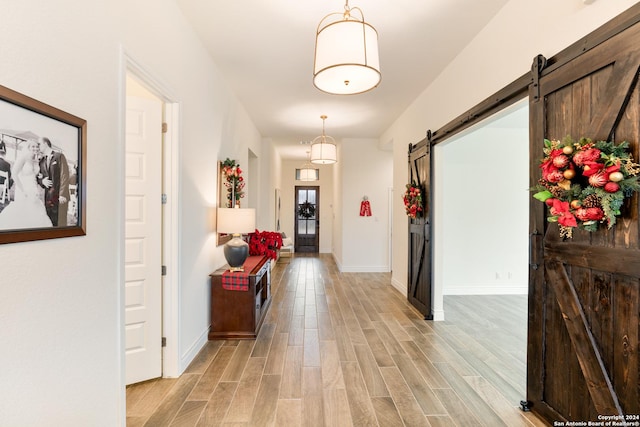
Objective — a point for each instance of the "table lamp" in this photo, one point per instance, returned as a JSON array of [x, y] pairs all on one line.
[[236, 221]]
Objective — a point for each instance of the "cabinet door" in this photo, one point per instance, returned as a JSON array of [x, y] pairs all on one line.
[[257, 312]]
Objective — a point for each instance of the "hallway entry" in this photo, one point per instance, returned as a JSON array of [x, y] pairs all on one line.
[[307, 224]]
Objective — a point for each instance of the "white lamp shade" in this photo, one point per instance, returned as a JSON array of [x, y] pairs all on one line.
[[308, 174], [236, 220], [346, 60], [323, 153]]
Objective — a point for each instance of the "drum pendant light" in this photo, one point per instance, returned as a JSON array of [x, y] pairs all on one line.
[[307, 172], [346, 56], [323, 148]]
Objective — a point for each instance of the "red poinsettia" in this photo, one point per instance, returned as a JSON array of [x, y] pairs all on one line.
[[562, 211], [265, 243]]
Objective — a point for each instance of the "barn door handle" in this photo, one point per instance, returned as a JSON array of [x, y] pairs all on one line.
[[534, 240], [427, 231]]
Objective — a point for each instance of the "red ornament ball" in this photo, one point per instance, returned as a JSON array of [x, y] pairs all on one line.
[[611, 187]]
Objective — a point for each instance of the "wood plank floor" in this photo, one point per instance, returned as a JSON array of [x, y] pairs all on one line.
[[346, 349]]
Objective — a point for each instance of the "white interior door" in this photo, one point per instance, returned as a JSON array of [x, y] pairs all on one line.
[[143, 239]]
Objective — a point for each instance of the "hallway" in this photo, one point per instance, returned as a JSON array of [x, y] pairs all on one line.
[[347, 349]]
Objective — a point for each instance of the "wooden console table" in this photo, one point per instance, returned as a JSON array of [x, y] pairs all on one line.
[[238, 314]]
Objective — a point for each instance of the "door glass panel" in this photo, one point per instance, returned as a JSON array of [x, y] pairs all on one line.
[[302, 226], [311, 227], [312, 196], [302, 196]]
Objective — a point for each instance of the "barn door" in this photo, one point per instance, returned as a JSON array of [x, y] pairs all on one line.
[[583, 302], [419, 280]]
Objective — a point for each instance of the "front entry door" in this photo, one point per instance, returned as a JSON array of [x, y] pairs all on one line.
[[307, 227], [143, 279], [584, 300]]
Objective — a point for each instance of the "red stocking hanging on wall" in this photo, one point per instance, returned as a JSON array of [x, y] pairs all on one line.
[[365, 207]]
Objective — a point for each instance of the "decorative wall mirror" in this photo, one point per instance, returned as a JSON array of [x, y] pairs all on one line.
[[230, 189]]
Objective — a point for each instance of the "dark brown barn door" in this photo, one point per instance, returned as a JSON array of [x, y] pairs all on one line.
[[419, 280], [583, 300], [307, 227]]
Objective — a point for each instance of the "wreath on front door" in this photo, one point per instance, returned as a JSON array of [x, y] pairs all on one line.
[[585, 183], [306, 210]]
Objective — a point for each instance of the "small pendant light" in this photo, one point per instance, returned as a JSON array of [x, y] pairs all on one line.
[[323, 148]]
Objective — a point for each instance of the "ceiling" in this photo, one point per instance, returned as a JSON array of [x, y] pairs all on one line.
[[265, 48]]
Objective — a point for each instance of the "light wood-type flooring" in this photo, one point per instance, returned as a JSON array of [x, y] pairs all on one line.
[[347, 349]]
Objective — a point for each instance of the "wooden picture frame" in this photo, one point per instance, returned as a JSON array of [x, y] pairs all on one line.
[[277, 202], [55, 205], [222, 202]]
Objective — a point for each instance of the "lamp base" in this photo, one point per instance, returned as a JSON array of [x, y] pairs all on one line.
[[236, 252]]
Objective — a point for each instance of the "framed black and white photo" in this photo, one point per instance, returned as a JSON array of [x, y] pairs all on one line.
[[42, 170]]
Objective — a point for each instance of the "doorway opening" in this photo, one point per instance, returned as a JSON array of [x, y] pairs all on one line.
[[307, 224], [481, 242]]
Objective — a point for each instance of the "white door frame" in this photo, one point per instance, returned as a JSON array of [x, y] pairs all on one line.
[[171, 161], [390, 229]]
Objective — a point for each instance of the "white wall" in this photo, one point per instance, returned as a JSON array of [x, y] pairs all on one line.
[[61, 300], [482, 204], [270, 167], [502, 52], [337, 217], [365, 171]]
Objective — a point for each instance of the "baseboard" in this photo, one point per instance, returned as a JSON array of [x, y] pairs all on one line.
[[194, 349], [486, 290], [438, 315], [365, 269], [400, 287], [335, 259]]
